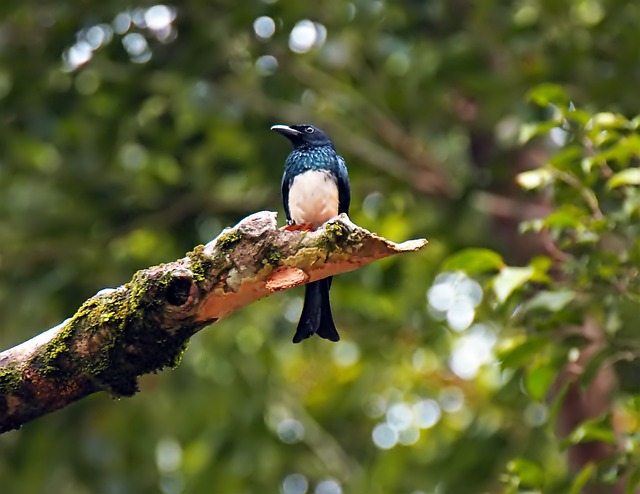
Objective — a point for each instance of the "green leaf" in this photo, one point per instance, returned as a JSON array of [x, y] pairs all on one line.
[[509, 279], [608, 120], [551, 301], [521, 353], [528, 472], [622, 149], [587, 164], [538, 380], [586, 237], [631, 205], [474, 261], [630, 176], [530, 130], [598, 429], [536, 225], [564, 217], [578, 117], [567, 158], [557, 400], [534, 179], [541, 266], [546, 94], [581, 480], [633, 481]]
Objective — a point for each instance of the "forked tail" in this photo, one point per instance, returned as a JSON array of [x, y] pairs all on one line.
[[316, 314]]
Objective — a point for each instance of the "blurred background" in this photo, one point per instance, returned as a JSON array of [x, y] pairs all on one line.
[[131, 132]]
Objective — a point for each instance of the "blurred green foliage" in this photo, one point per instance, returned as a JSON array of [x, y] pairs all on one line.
[[132, 132]]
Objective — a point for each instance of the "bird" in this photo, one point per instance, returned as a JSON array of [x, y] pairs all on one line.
[[315, 189]]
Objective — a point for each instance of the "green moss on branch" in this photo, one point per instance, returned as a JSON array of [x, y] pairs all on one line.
[[9, 380]]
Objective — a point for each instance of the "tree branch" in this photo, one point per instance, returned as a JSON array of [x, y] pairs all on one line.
[[145, 325]]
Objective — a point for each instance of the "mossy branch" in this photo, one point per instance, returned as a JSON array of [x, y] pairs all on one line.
[[144, 326]]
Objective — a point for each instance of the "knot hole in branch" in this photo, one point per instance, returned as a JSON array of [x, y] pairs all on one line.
[[179, 290]]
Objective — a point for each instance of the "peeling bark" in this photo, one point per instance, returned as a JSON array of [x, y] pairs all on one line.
[[145, 325]]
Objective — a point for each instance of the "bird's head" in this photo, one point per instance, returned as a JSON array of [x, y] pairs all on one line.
[[303, 135]]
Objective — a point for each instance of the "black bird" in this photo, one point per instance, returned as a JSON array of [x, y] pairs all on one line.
[[315, 188]]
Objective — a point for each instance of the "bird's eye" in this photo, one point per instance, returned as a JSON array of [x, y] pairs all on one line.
[[309, 130]]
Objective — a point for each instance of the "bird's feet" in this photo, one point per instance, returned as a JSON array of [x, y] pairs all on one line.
[[302, 227]]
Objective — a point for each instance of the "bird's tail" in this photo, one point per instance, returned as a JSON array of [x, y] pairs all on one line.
[[316, 313]]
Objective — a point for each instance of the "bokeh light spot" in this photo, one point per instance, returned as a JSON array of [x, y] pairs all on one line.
[[78, 54], [137, 46], [460, 314], [451, 399], [328, 486], [346, 354], [409, 436], [99, 35], [471, 351], [441, 296], [371, 204], [558, 136], [453, 297], [536, 414], [290, 431], [121, 23], [589, 12], [384, 436], [133, 156], [399, 416], [266, 65], [294, 483], [264, 27], [293, 309], [375, 406], [303, 36], [159, 17], [168, 455], [426, 413]]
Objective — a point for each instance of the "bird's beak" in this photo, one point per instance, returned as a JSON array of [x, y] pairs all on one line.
[[285, 130]]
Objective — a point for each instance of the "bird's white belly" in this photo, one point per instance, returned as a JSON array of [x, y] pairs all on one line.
[[313, 198]]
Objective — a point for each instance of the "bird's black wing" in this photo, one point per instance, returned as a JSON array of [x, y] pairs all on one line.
[[286, 185], [344, 188]]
